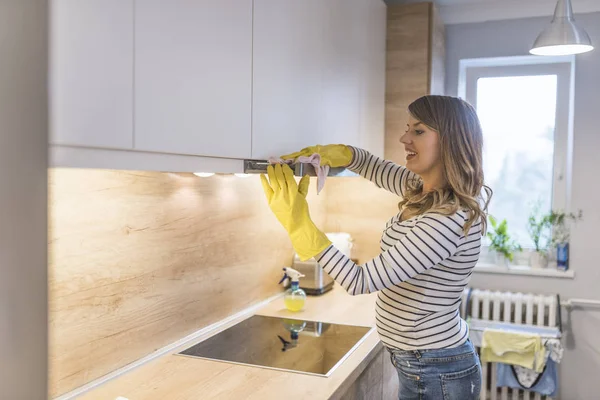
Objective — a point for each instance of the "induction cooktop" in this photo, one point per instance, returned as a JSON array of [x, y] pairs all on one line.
[[287, 344]]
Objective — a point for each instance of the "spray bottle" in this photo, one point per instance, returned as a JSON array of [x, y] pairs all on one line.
[[294, 297]]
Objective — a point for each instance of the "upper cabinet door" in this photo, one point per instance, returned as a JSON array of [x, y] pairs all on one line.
[[91, 73], [319, 74], [193, 77], [288, 75], [372, 93], [342, 38]]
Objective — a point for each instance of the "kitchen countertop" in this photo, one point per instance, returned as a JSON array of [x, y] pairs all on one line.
[[181, 378]]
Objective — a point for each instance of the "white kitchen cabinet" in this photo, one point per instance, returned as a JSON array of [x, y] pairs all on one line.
[[354, 77], [313, 67], [199, 85], [287, 75], [372, 76], [91, 73], [341, 71], [193, 77]]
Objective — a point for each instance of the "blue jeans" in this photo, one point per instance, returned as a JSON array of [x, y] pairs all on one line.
[[445, 374]]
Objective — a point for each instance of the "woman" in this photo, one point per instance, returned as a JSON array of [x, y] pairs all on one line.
[[428, 250]]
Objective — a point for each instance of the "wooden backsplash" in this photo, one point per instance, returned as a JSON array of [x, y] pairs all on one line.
[[138, 260], [357, 206]]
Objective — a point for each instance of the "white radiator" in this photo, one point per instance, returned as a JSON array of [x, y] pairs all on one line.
[[516, 308]]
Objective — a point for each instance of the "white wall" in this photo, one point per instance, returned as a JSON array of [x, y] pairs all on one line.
[[23, 204], [581, 366]]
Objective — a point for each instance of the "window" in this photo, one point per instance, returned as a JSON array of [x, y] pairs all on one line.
[[524, 106]]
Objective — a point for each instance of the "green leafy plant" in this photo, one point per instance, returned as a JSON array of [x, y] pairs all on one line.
[[501, 241], [547, 229], [539, 226], [559, 221]]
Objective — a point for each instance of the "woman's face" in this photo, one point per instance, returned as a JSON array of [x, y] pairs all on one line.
[[422, 146]]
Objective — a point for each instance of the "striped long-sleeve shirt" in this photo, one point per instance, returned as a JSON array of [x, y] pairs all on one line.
[[424, 265]]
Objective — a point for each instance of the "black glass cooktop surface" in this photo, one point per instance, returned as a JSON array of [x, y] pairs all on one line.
[[288, 344]]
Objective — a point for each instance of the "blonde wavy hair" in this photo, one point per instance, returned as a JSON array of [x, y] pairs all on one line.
[[461, 142]]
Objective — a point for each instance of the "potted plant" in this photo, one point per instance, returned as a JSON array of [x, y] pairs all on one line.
[[501, 243], [559, 221], [539, 227], [561, 235]]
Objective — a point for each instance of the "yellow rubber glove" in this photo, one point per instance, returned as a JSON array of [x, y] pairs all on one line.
[[334, 155], [288, 202]]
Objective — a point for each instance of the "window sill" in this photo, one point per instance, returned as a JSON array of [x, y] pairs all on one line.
[[524, 270]]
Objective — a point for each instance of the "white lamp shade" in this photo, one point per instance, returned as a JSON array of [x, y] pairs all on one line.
[[563, 36]]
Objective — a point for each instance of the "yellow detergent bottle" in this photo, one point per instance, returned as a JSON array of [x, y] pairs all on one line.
[[294, 297]]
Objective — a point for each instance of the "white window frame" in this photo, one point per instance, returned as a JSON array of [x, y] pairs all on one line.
[[471, 70]]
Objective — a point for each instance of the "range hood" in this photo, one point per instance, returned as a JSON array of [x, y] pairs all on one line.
[[260, 167]]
